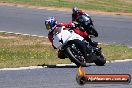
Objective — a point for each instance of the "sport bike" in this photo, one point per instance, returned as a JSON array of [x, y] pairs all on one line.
[[86, 23], [76, 48]]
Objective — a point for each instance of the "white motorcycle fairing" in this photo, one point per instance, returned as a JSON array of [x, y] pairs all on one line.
[[62, 36]]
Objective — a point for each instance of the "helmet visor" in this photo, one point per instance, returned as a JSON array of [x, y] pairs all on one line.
[[48, 26]]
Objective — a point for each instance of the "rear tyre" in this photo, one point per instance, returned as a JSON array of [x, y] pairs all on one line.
[[92, 31], [100, 60]]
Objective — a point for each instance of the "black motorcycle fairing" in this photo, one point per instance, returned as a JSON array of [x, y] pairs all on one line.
[[84, 21], [87, 23]]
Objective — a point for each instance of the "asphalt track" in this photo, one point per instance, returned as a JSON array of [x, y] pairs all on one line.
[[31, 21], [61, 77], [112, 29]]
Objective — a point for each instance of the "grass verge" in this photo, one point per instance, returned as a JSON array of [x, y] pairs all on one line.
[[102, 5], [21, 50]]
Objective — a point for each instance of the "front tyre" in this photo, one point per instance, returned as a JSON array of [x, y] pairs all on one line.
[[76, 53]]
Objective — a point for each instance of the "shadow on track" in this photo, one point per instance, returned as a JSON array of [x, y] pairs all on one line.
[[62, 66]]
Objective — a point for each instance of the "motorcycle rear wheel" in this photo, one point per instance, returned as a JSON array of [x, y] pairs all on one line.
[[100, 60], [92, 32]]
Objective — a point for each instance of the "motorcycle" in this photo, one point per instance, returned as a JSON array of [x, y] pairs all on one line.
[[86, 22], [76, 48]]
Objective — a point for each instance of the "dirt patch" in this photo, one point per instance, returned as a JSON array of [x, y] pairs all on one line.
[[7, 37], [65, 9]]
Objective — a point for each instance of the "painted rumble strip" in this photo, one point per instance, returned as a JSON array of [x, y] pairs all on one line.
[[21, 68], [21, 34]]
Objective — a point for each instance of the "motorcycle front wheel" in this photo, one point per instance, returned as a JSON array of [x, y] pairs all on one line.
[[76, 54]]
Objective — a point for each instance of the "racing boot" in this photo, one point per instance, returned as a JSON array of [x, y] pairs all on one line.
[[61, 55]]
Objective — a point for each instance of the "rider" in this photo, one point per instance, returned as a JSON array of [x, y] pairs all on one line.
[[51, 25], [76, 13]]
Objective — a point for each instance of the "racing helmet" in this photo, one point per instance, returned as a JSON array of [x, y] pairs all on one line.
[[75, 10], [50, 23]]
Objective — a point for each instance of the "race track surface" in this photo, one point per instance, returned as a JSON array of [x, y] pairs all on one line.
[[112, 29], [61, 77]]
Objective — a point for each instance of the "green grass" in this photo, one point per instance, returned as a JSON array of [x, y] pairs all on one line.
[[116, 52], [19, 50], [103, 5]]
